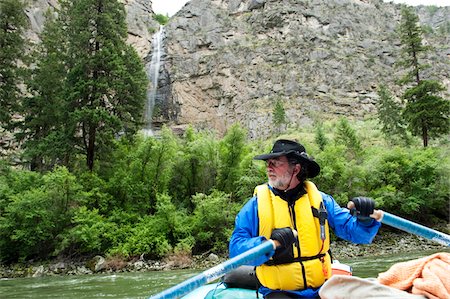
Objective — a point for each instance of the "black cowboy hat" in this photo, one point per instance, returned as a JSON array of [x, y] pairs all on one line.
[[293, 149]]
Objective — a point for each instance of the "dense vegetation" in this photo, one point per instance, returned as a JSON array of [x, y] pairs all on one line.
[[88, 183], [180, 194]]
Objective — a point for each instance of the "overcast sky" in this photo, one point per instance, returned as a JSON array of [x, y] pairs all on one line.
[[170, 7]]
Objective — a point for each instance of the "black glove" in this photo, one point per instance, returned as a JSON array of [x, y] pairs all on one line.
[[284, 235], [363, 208]]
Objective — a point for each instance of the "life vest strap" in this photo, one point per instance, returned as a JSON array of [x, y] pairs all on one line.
[[297, 259]]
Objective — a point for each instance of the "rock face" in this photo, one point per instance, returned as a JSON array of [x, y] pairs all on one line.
[[141, 25], [230, 60]]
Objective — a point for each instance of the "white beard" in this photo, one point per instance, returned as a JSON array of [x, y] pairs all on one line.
[[282, 182]]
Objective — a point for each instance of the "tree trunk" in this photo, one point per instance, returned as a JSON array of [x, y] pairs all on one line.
[[91, 147], [424, 134]]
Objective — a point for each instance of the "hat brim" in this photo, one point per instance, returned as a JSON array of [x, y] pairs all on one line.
[[313, 167], [272, 155]]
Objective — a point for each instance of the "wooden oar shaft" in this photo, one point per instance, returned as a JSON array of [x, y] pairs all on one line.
[[415, 228], [215, 272]]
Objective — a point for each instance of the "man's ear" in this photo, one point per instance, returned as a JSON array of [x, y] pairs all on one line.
[[297, 169]]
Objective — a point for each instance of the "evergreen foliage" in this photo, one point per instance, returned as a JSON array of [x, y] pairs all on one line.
[[101, 85], [426, 112], [390, 115], [410, 34], [278, 115], [320, 137], [346, 136], [46, 130], [12, 44]]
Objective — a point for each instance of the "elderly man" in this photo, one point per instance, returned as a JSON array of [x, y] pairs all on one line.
[[296, 216]]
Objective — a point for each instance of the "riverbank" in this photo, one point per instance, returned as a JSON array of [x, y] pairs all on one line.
[[385, 243]]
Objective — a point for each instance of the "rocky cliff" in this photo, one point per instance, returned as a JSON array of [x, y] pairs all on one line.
[[141, 25], [229, 60]]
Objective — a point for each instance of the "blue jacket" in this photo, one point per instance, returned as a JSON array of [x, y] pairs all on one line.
[[245, 235]]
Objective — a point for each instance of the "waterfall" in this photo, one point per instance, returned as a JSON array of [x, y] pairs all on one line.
[[152, 70]]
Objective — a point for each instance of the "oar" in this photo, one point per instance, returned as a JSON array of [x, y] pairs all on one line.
[[408, 226], [415, 228], [215, 272]]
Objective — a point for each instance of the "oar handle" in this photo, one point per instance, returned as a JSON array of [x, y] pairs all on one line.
[[415, 228], [216, 271]]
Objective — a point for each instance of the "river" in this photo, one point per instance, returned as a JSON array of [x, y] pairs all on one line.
[[144, 284]]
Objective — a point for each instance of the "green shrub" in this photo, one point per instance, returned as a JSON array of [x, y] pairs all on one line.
[[95, 193], [213, 221], [161, 19], [143, 170], [33, 219], [89, 234], [27, 226], [195, 167], [232, 150], [409, 182], [164, 196], [148, 236]]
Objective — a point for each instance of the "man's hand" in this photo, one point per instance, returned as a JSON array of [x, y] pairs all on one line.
[[284, 237], [362, 208]]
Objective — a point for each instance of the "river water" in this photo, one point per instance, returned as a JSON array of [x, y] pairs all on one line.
[[144, 284]]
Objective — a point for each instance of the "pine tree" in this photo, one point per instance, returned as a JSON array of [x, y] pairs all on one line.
[[45, 128], [106, 79], [12, 45], [426, 111], [279, 115], [346, 135], [102, 80], [412, 48], [320, 137], [389, 114]]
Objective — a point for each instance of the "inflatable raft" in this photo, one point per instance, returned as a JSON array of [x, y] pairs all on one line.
[[241, 283]]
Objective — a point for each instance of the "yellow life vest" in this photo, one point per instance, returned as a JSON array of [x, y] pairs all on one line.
[[311, 265]]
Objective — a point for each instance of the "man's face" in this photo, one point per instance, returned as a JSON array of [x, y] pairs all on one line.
[[279, 172]]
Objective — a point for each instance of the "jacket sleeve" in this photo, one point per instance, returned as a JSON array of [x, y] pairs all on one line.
[[245, 234], [346, 226]]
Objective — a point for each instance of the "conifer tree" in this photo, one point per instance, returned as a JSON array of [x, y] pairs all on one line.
[[45, 129], [320, 137], [106, 79], [412, 48], [103, 80], [346, 135], [12, 45], [389, 113], [279, 115], [426, 111]]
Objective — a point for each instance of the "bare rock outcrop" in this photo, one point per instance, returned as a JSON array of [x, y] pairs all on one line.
[[230, 60], [141, 25]]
